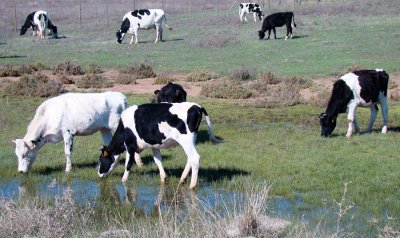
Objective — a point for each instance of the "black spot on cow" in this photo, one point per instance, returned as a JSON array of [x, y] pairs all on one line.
[[194, 118], [140, 12], [149, 116]]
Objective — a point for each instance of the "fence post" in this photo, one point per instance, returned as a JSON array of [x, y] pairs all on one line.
[[15, 18]]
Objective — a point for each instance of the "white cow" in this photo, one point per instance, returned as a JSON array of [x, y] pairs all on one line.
[[142, 19], [66, 116]]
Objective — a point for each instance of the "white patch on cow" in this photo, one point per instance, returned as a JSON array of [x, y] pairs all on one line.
[[63, 117], [379, 70]]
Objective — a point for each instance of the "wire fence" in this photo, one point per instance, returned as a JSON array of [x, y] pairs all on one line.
[[13, 13]]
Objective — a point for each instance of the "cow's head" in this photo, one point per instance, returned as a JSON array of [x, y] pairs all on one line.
[[106, 160], [120, 36], [261, 35], [23, 30], [26, 154], [260, 15], [328, 124]]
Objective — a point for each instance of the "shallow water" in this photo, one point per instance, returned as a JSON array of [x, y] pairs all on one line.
[[149, 198]]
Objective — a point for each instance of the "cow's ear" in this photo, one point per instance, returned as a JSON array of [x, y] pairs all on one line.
[[32, 144], [322, 115], [156, 91]]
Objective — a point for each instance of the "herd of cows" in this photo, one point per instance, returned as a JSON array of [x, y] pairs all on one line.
[[171, 120]]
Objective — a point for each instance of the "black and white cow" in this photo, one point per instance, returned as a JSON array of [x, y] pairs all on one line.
[[171, 93], [155, 127], [277, 20], [247, 8], [142, 19], [364, 88], [39, 21]]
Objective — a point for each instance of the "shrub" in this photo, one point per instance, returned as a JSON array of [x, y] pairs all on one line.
[[93, 68], [226, 89], [354, 67], [9, 71], [200, 75], [163, 78], [93, 81], [37, 85], [140, 71], [38, 66], [68, 68], [268, 78], [125, 79], [25, 69], [240, 74], [65, 79]]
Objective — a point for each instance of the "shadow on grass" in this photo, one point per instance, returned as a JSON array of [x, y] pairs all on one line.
[[205, 174], [12, 56]]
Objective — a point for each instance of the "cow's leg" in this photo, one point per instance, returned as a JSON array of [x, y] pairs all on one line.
[[158, 32], [356, 127], [269, 34], [274, 30], [132, 39], [241, 16], [193, 162], [128, 166], [106, 134], [350, 118], [68, 144], [287, 31], [255, 16], [385, 110], [372, 117], [138, 161], [158, 160]]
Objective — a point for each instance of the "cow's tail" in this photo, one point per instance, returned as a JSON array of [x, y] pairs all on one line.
[[165, 21], [210, 129], [293, 23]]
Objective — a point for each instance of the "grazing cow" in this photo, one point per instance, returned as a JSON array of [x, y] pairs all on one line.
[[142, 19], [277, 20], [364, 88], [247, 8], [66, 116], [157, 126], [39, 21], [171, 93]]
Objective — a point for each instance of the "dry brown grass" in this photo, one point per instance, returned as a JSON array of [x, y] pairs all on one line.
[[37, 218], [125, 79], [68, 68], [93, 81], [200, 75]]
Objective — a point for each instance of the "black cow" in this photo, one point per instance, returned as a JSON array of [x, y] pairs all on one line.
[[171, 93], [277, 20], [157, 126], [39, 22], [364, 88]]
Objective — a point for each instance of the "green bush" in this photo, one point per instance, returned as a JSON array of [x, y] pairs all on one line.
[[93, 81], [139, 71], [9, 71], [240, 74], [200, 75], [68, 68], [93, 68], [37, 85], [125, 79], [226, 89]]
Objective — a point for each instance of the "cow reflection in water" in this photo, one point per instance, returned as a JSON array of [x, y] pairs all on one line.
[[146, 200]]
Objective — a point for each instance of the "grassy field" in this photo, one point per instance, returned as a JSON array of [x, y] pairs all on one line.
[[326, 43], [281, 146]]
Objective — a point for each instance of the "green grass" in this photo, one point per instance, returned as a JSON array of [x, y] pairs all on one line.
[[281, 146], [324, 44]]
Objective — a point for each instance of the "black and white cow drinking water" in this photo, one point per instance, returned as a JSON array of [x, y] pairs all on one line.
[[66, 116], [248, 8], [157, 126], [171, 93], [364, 88], [277, 20], [39, 21], [142, 19]]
